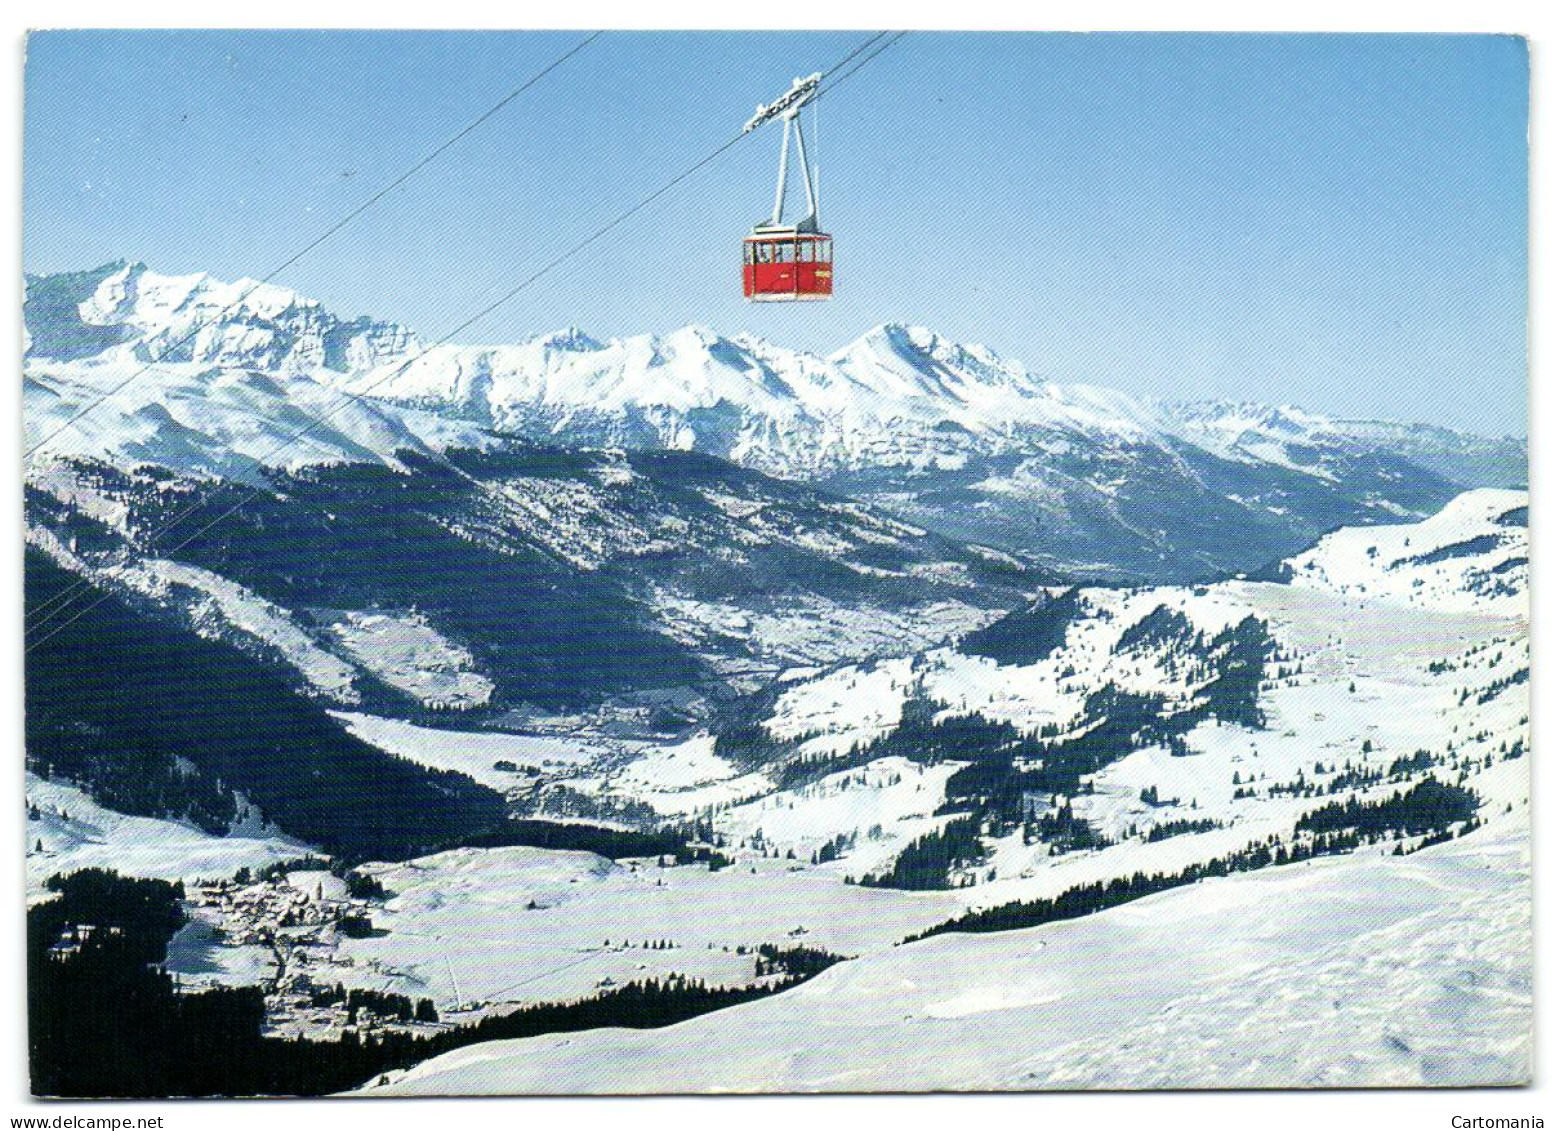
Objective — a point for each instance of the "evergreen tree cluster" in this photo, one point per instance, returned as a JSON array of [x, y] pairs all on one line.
[[106, 1020], [702, 854], [926, 863], [394, 1006], [1429, 806], [793, 961], [1060, 828], [123, 704], [1352, 777], [1027, 636], [361, 885], [1168, 829], [834, 848], [1333, 831], [1492, 689], [1102, 895], [355, 926], [577, 836]]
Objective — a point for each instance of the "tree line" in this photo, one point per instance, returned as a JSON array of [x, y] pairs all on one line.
[[1336, 830], [107, 1020]]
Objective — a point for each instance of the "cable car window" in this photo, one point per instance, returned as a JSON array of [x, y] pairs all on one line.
[[796, 248]]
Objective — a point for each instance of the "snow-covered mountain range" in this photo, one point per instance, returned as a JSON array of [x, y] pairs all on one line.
[[1404, 965], [805, 659], [951, 436]]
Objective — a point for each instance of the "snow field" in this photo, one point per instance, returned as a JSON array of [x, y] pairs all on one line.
[[78, 833], [1356, 971]]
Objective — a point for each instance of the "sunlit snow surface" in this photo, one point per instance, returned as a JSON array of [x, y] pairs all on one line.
[[1471, 555], [509, 925], [472, 753], [407, 653], [1360, 971], [71, 832]]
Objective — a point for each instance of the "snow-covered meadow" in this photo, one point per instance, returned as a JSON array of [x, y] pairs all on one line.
[[1361, 971], [1386, 654]]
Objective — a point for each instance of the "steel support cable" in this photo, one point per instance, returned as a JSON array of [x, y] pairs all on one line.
[[328, 232], [332, 230], [357, 395], [352, 397], [318, 240]]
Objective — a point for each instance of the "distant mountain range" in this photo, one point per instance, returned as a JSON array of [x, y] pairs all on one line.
[[953, 437], [901, 656]]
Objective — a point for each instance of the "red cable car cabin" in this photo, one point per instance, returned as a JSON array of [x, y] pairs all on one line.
[[788, 262], [787, 265]]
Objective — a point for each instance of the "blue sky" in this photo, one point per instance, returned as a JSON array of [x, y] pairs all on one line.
[[1332, 221]]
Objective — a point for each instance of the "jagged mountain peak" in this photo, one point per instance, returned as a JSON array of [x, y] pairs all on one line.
[[927, 363], [125, 307], [951, 434], [1232, 413], [569, 339], [137, 295], [894, 396]]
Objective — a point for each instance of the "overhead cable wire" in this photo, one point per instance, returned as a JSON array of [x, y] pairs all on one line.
[[355, 396], [326, 234]]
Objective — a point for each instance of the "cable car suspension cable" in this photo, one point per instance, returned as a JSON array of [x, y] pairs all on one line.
[[324, 235], [355, 396]]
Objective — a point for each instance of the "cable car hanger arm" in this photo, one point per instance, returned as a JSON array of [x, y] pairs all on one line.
[[789, 105]]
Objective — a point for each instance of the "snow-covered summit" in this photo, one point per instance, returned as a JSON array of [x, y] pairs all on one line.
[[1473, 554], [947, 434], [1313, 443], [196, 318], [897, 396]]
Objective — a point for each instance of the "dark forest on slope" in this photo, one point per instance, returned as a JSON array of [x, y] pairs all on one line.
[[123, 704]]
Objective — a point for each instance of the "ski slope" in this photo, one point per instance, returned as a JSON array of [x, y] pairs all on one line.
[[474, 928], [75, 832], [1365, 971]]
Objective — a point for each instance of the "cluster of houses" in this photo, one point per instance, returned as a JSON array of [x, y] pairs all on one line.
[[300, 918]]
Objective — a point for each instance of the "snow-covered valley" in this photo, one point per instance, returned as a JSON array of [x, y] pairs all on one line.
[[1365, 971], [1382, 659], [961, 729]]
